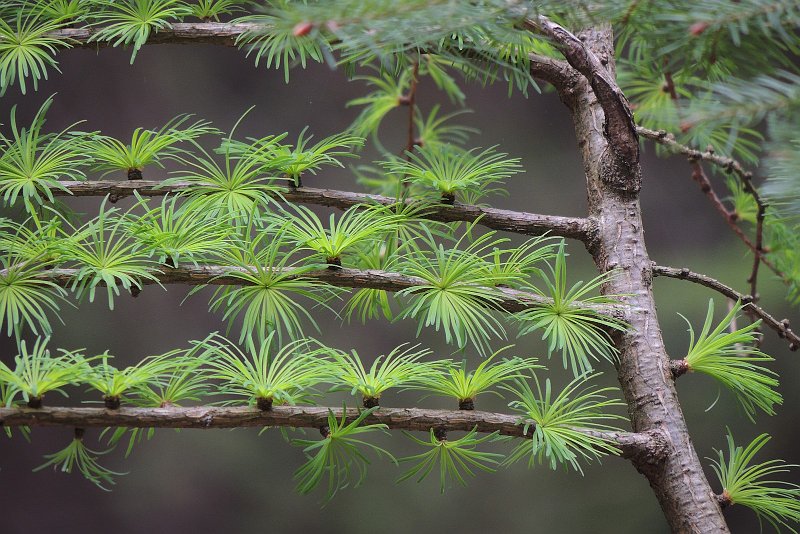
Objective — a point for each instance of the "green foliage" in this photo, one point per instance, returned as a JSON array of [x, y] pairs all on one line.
[[132, 21], [268, 374], [729, 355], [455, 458], [281, 41], [456, 382], [26, 299], [36, 373], [27, 49], [388, 94], [357, 224], [458, 295], [173, 234], [105, 254], [450, 170], [208, 10], [576, 330], [147, 147], [77, 454], [32, 162], [337, 454], [401, 367], [559, 423], [302, 158], [68, 11], [274, 292], [242, 186], [114, 383], [744, 483]]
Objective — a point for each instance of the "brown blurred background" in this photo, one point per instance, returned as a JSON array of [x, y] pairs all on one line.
[[238, 481]]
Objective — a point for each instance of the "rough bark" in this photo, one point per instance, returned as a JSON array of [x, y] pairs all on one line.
[[630, 444], [508, 299], [613, 177], [496, 219]]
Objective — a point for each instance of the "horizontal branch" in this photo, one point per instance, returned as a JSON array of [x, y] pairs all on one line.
[[218, 33], [205, 417], [510, 300], [496, 219], [781, 327]]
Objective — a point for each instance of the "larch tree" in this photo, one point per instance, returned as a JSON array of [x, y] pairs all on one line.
[[712, 81]]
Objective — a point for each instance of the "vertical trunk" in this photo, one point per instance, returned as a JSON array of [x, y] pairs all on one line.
[[613, 180]]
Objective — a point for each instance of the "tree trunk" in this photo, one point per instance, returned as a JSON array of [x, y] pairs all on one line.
[[613, 178]]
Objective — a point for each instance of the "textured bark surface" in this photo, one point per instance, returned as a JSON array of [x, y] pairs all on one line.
[[510, 300], [512, 221], [630, 444], [613, 178]]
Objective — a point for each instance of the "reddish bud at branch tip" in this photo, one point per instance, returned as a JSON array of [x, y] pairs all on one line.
[[697, 28], [302, 28]]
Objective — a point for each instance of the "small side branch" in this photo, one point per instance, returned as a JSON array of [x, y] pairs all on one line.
[[781, 327], [206, 417], [507, 220], [510, 300]]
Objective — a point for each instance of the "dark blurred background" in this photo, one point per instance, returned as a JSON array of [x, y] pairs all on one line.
[[238, 481]]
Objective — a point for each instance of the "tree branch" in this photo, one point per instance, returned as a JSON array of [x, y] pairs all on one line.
[[746, 177], [619, 125], [218, 33], [781, 327], [510, 300], [496, 219], [204, 417]]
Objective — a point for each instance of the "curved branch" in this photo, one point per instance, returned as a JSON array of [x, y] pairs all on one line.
[[496, 219], [510, 300], [204, 417], [781, 327], [619, 125]]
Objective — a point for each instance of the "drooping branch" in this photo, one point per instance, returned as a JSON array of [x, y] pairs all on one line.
[[510, 300], [746, 177], [496, 219], [205, 417], [781, 327]]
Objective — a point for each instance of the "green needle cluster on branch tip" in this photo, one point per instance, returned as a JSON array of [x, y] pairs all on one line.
[[338, 454], [33, 162], [453, 171], [730, 357], [747, 484], [146, 146], [268, 374], [456, 382], [36, 373], [578, 332], [556, 437], [132, 21], [401, 367], [27, 50], [78, 455], [456, 458]]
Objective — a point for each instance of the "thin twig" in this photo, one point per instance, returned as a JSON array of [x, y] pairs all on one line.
[[781, 327]]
